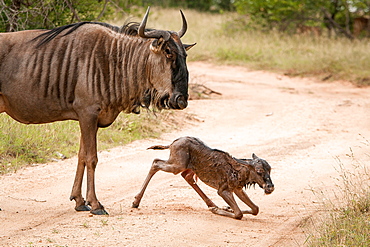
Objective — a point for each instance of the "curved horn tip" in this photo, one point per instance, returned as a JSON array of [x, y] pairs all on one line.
[[146, 14], [184, 25], [141, 29]]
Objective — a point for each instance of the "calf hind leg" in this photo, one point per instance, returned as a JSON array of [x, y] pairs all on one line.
[[158, 165], [188, 175]]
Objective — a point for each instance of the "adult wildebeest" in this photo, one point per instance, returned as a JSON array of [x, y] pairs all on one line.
[[90, 72], [216, 168]]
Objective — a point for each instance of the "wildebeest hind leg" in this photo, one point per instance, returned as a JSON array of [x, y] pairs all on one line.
[[188, 175], [153, 170]]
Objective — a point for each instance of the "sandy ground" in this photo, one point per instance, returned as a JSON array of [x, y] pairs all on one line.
[[302, 127]]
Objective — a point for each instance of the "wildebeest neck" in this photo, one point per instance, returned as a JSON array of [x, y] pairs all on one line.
[[125, 59]]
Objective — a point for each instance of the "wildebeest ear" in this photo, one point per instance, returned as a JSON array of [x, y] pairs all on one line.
[[156, 45], [187, 47], [254, 156]]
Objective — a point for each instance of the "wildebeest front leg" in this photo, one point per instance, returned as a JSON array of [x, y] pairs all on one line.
[[87, 158], [245, 198], [188, 175], [229, 199]]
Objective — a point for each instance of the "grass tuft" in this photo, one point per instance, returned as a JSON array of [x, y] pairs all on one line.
[[21, 144], [348, 221]]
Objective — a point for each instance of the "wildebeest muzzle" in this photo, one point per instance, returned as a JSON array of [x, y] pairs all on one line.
[[178, 101]]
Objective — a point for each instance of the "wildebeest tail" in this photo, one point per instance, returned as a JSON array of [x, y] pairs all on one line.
[[159, 147]]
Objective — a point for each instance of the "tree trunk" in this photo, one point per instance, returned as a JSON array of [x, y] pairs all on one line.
[[12, 24]]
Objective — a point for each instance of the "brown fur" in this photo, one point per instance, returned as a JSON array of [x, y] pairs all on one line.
[[90, 72], [191, 157]]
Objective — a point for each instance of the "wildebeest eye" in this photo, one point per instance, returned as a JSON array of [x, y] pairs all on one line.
[[168, 53]]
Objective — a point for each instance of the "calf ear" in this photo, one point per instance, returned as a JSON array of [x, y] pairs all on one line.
[[254, 156], [187, 47]]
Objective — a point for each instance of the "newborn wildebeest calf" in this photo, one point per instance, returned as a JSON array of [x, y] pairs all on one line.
[[216, 168]]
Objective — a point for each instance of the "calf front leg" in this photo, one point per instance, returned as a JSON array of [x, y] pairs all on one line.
[[245, 198], [229, 199]]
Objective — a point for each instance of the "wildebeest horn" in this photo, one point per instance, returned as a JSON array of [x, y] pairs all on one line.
[[184, 25], [151, 34]]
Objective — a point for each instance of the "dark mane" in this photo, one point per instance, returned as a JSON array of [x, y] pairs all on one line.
[[129, 28]]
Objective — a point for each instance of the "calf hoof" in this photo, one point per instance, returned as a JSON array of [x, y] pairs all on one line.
[[99, 211], [82, 208], [238, 217], [135, 205], [255, 211], [214, 210]]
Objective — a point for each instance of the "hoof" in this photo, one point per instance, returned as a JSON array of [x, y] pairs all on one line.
[[83, 208], [99, 211], [135, 205], [213, 209]]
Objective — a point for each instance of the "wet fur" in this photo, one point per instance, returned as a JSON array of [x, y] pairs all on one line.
[[219, 170]]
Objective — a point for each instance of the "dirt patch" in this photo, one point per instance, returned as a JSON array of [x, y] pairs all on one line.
[[299, 126]]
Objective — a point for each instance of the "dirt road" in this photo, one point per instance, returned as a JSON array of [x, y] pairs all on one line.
[[298, 125]]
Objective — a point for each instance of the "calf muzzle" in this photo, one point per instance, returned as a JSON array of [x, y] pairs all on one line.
[[269, 188]]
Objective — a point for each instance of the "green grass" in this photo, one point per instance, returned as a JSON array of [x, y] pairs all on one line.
[[21, 144], [348, 221], [220, 38], [347, 226], [25, 144], [223, 38], [341, 59]]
